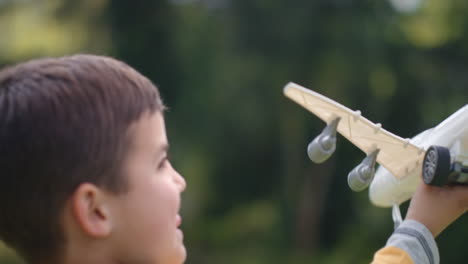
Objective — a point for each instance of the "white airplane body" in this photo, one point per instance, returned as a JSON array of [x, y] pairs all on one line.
[[385, 190], [440, 154]]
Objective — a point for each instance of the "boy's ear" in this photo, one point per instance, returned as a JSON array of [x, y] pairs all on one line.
[[91, 210]]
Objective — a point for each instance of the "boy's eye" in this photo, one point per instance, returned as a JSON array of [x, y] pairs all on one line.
[[163, 162]]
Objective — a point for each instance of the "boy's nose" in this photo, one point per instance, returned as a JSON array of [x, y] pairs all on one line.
[[180, 181]]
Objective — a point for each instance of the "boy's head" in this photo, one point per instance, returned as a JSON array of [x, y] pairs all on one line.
[[83, 164]]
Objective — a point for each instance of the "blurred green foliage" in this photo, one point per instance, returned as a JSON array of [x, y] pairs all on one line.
[[253, 196]]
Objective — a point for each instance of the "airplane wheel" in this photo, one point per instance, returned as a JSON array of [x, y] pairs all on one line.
[[436, 165]]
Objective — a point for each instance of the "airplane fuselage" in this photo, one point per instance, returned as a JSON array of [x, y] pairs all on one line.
[[386, 190]]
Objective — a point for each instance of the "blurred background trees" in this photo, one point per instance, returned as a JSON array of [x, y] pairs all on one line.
[[253, 196]]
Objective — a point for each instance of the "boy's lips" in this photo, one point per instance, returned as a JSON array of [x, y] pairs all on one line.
[[178, 220]]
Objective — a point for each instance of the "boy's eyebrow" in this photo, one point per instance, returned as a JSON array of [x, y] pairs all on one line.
[[163, 148]]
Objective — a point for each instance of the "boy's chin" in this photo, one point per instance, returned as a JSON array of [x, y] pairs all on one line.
[[179, 255], [182, 255]]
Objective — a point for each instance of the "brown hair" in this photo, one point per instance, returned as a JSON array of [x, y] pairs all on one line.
[[63, 121]]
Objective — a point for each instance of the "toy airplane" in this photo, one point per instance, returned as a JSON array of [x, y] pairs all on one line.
[[440, 154]]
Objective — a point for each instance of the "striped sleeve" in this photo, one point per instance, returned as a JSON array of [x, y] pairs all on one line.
[[417, 241]]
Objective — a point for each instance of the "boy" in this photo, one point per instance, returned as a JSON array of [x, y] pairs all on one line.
[[86, 179], [85, 174]]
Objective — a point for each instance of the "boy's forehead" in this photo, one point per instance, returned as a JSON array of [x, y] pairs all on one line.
[[149, 132]]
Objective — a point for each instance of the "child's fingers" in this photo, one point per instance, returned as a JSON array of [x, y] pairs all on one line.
[[450, 202]]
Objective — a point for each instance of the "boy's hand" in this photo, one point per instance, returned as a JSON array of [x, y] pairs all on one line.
[[438, 207]]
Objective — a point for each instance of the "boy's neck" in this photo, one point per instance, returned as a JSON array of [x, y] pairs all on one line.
[[90, 253]]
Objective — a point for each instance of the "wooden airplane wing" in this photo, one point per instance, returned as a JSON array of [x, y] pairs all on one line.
[[396, 154]]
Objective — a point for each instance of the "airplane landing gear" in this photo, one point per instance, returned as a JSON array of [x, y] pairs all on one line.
[[438, 170], [436, 166]]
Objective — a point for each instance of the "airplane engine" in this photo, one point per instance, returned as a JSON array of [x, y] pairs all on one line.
[[323, 146], [361, 176]]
